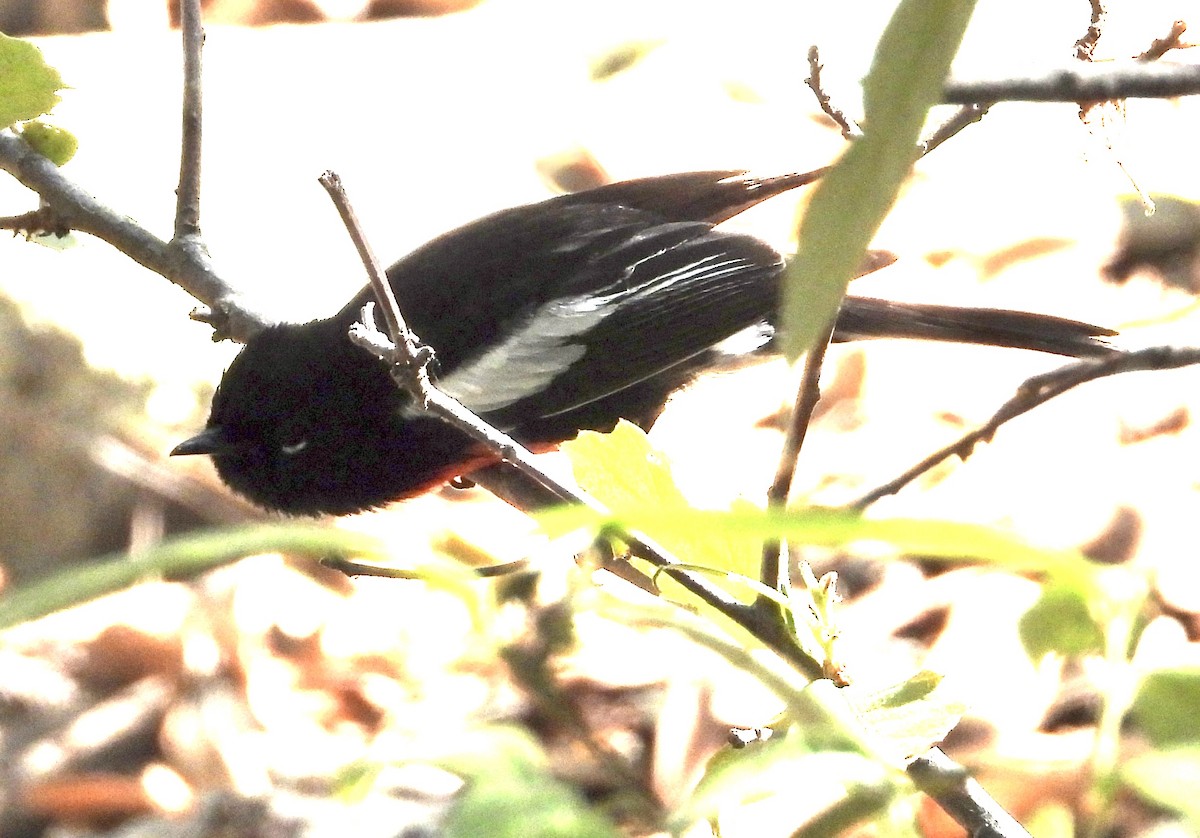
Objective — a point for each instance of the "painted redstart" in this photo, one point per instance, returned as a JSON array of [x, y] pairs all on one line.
[[546, 319]]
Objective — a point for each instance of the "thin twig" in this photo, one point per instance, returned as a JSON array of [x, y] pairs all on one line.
[[75, 207], [1082, 83], [1085, 47], [187, 196], [39, 222], [774, 572], [1161, 46], [963, 117], [1034, 392], [962, 797], [849, 128], [411, 360]]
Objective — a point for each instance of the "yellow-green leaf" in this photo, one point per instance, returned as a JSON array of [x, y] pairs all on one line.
[[28, 85], [848, 205], [931, 539], [1167, 707], [623, 470], [55, 144]]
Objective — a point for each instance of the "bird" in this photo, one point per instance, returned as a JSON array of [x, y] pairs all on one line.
[[545, 319]]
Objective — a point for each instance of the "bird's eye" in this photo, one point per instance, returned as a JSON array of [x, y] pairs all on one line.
[[295, 447]]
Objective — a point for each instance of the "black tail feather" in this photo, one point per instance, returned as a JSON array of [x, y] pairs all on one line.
[[866, 317], [712, 197]]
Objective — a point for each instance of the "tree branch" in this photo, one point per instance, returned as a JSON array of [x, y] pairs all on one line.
[[187, 196], [774, 572], [227, 311], [1037, 391], [1161, 46], [1085, 47], [962, 797], [1082, 83], [849, 128]]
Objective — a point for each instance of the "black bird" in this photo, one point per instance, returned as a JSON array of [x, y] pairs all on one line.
[[546, 319]]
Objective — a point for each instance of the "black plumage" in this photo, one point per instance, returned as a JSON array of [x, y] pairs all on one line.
[[545, 319]]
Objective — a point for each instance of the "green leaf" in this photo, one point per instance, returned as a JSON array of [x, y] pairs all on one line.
[[911, 62], [28, 85], [1169, 779], [623, 470], [55, 144], [511, 793], [1060, 621], [911, 717], [178, 557], [837, 528], [1167, 708]]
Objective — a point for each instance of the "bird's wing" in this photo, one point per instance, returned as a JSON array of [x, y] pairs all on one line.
[[642, 302]]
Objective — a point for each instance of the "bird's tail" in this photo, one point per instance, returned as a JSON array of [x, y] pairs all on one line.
[[866, 317]]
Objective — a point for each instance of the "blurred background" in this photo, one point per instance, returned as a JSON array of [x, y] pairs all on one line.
[[435, 113]]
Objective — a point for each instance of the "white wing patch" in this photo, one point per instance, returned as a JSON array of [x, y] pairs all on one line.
[[746, 341], [545, 346], [529, 359]]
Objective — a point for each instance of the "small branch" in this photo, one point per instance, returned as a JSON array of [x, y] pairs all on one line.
[[1161, 46], [184, 260], [963, 117], [850, 129], [409, 357], [187, 196], [1085, 47], [75, 208], [1082, 83], [774, 570], [39, 222], [962, 797], [1035, 392]]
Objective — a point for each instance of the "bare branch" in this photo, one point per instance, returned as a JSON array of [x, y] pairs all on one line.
[[962, 798], [1161, 46], [1037, 391], [850, 129], [1082, 83], [409, 358], [963, 117], [1085, 47], [774, 572], [187, 196], [39, 222], [188, 268]]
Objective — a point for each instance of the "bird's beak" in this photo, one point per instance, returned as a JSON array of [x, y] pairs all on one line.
[[212, 440]]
